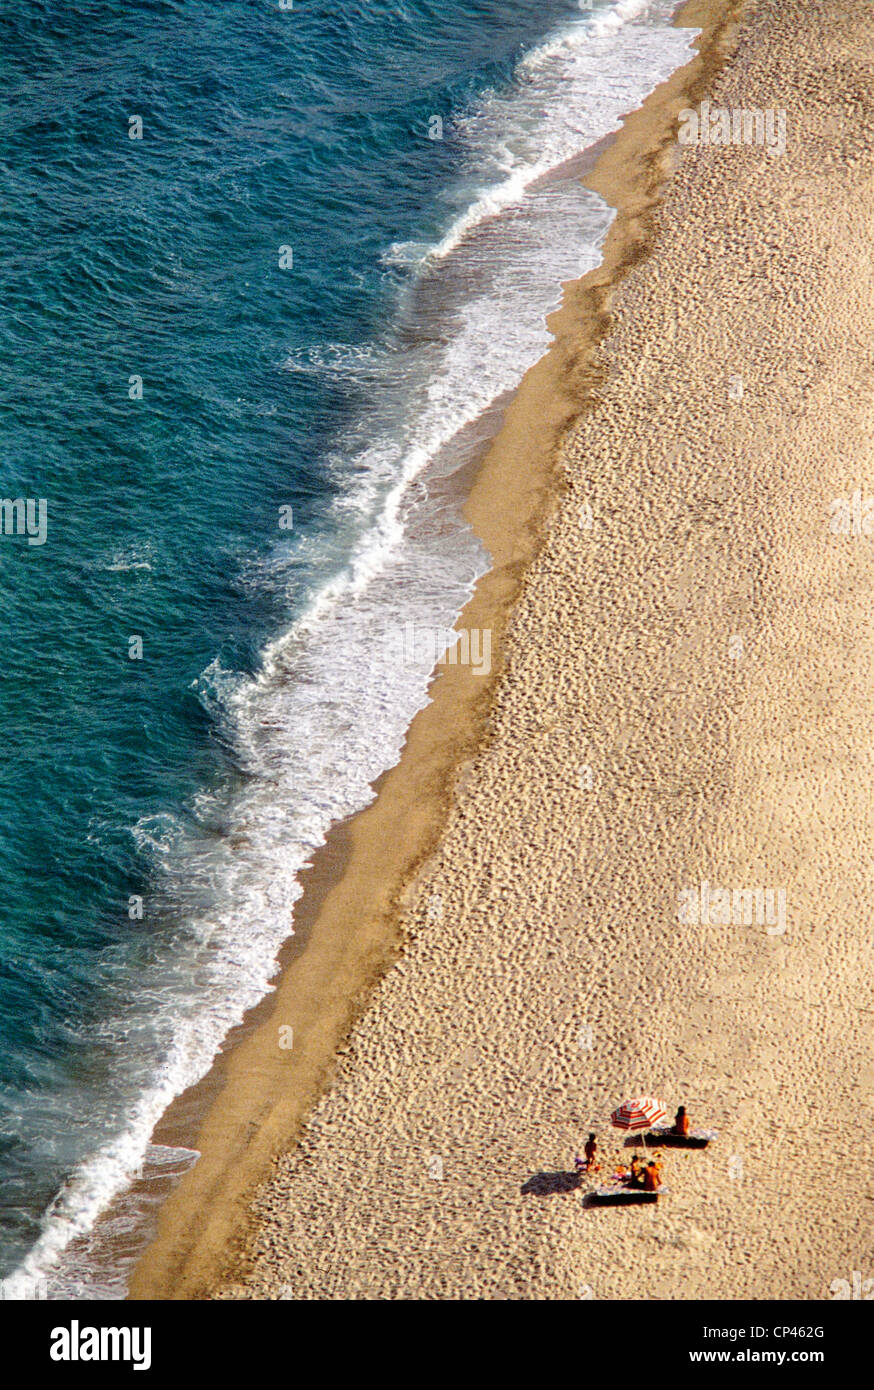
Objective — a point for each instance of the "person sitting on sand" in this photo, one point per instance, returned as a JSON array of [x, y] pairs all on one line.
[[635, 1178], [681, 1123], [651, 1178]]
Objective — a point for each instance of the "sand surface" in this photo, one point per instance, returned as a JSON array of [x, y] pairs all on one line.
[[685, 695]]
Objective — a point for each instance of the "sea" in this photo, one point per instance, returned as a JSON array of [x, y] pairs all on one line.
[[269, 272]]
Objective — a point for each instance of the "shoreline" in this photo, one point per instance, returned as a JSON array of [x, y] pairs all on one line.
[[258, 1097]]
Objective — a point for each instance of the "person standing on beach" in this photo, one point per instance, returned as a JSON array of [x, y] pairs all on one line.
[[588, 1164]]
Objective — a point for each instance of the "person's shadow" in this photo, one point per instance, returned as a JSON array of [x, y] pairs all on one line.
[[551, 1184]]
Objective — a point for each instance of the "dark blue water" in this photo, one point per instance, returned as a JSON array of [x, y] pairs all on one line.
[[199, 776]]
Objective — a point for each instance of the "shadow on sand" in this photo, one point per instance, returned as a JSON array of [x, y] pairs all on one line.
[[550, 1184], [667, 1141], [622, 1197]]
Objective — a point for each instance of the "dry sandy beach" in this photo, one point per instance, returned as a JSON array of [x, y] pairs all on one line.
[[682, 694]]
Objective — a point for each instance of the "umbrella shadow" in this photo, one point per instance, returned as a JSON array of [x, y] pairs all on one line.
[[551, 1184], [666, 1141], [622, 1197]]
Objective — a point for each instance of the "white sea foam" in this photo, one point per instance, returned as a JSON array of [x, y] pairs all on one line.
[[331, 358], [138, 557], [328, 709], [583, 79]]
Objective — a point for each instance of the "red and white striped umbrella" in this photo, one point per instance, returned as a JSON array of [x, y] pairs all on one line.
[[641, 1113]]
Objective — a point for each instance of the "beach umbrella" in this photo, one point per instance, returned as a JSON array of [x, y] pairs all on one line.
[[641, 1113]]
